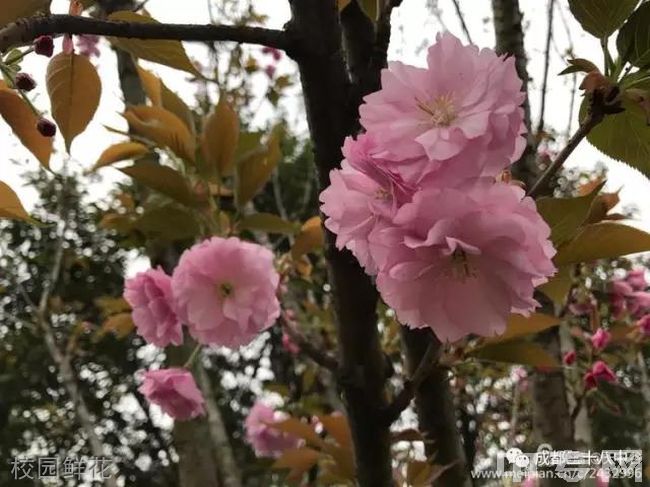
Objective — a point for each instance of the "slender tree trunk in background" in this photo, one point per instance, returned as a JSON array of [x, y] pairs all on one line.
[[198, 457], [551, 414], [326, 89], [510, 40], [436, 412]]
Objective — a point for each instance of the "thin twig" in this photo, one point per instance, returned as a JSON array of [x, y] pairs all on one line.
[[26, 30], [424, 369], [593, 118], [306, 347], [461, 18], [547, 59]]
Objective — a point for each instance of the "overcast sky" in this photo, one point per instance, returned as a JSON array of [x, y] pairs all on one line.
[[416, 25]]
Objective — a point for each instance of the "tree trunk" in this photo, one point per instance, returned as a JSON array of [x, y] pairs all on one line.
[[326, 88], [436, 412], [551, 413]]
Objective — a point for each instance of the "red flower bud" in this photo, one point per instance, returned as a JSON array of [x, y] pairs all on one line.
[[25, 82], [44, 45], [46, 128], [569, 357]]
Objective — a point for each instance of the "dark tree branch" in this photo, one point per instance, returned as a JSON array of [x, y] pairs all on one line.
[[434, 405], [308, 348], [331, 116], [423, 370], [547, 62], [461, 18], [593, 118], [510, 40], [25, 31]]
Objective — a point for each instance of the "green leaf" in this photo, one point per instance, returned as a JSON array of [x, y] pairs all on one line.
[[123, 151], [219, 141], [12, 10], [163, 179], [371, 8], [255, 169], [309, 239], [168, 222], [516, 352], [267, 222], [601, 18], [633, 41], [558, 286], [603, 240], [10, 205], [168, 52], [75, 89], [624, 136], [579, 65], [519, 326], [566, 215]]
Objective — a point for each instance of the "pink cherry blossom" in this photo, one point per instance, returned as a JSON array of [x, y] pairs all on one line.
[[225, 291], [644, 326], [619, 292], [638, 303], [150, 295], [266, 440], [569, 357], [87, 45], [460, 260], [355, 203], [463, 109], [602, 478], [636, 279], [175, 391], [599, 372], [276, 54], [600, 339]]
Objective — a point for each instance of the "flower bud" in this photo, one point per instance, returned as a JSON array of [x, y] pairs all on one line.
[[46, 128], [44, 45], [24, 82]]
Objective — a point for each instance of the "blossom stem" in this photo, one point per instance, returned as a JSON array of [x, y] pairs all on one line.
[[190, 361], [424, 369], [593, 118], [308, 348], [26, 30]]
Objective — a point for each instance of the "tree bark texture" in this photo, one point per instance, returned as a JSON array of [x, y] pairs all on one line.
[[331, 116]]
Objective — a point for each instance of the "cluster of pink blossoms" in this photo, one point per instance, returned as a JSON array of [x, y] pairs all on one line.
[[418, 202], [260, 434], [223, 290]]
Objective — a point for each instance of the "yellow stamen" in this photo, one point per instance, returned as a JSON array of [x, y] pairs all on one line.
[[441, 110]]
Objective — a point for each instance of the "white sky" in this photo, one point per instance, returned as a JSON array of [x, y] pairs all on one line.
[[415, 28]]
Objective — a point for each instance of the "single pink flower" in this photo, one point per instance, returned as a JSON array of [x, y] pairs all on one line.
[[599, 372], [266, 440], [355, 203], [619, 293], [289, 345], [638, 303], [276, 54], [600, 339], [175, 391], [87, 45], [530, 481], [150, 295], [225, 291], [636, 279], [464, 108], [460, 260], [68, 44], [644, 326], [569, 357]]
